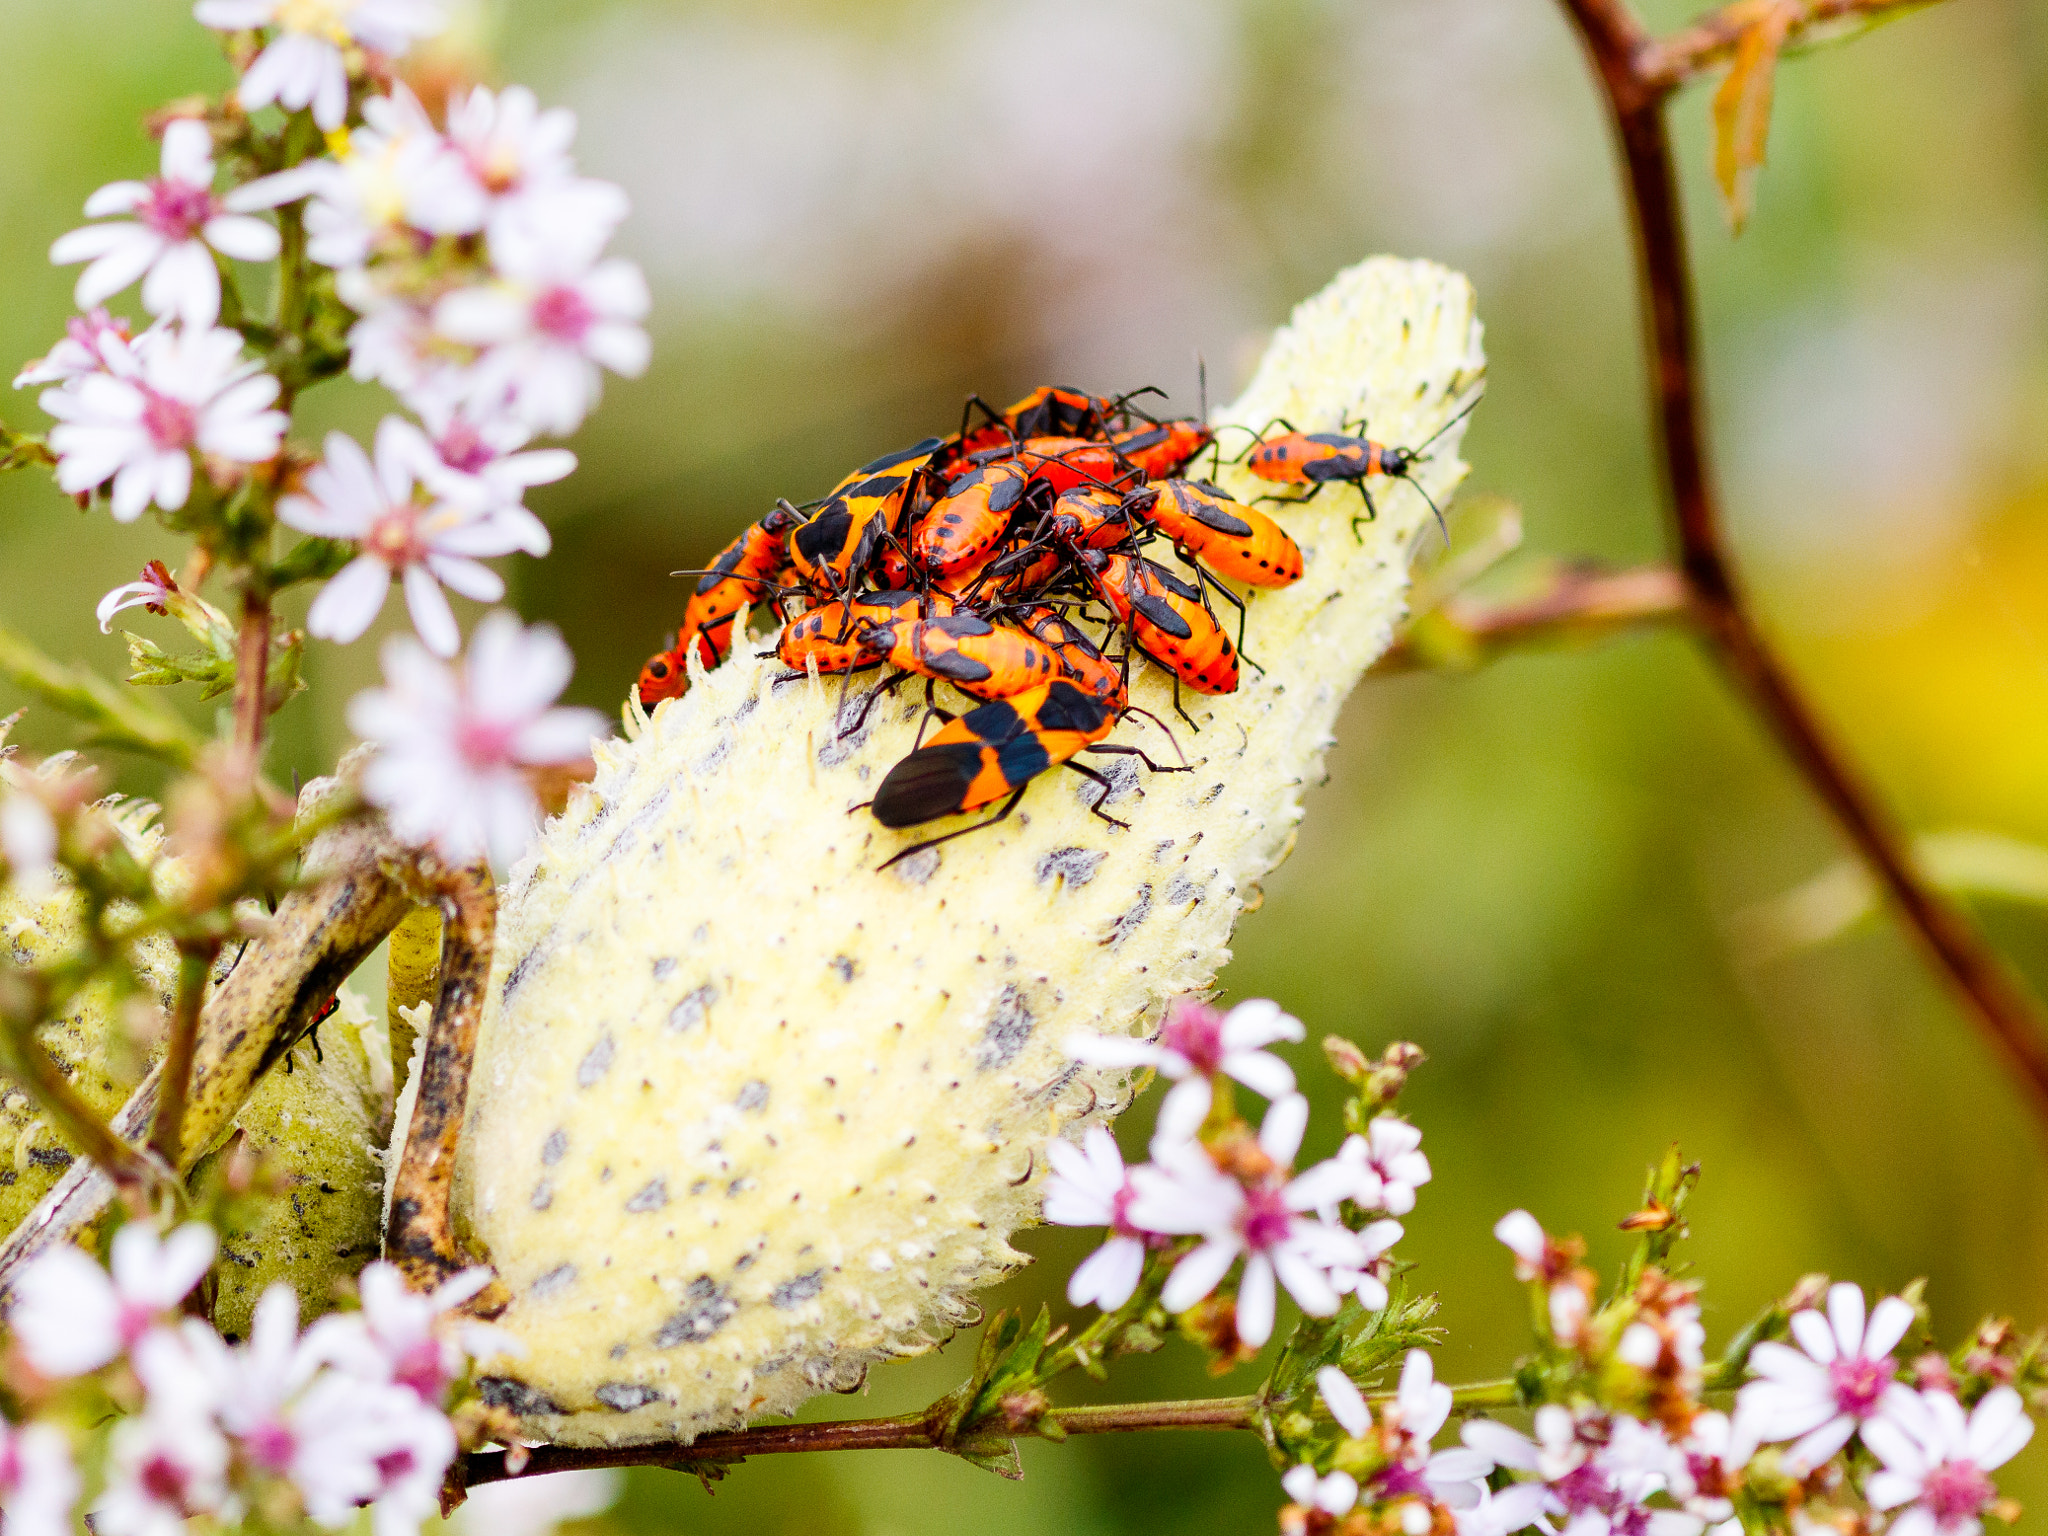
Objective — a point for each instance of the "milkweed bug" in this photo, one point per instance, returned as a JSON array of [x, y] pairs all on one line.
[[1234, 540], [961, 531], [832, 551], [741, 574], [991, 752], [1159, 449], [1167, 620], [1082, 661], [1051, 410], [981, 659], [1066, 462], [843, 637], [1317, 459]]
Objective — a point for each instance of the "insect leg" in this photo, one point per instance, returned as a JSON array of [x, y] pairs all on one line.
[[1009, 805]]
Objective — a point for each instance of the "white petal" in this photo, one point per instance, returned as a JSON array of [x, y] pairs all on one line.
[[116, 270], [1109, 1276], [241, 237], [1343, 1399], [1846, 1317], [1815, 1336], [1196, 1275], [1256, 1301], [1261, 1071], [1888, 1324], [432, 618], [188, 153], [1523, 1235], [116, 197], [559, 736], [349, 603], [1281, 1131], [184, 283]]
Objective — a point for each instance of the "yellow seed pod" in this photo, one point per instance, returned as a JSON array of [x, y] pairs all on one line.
[[749, 1113]]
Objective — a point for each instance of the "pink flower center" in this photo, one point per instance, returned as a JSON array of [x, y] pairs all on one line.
[[1195, 1030], [1400, 1481], [176, 209], [132, 1322], [483, 744], [394, 537], [420, 1366], [1955, 1491], [393, 1465], [463, 447], [164, 1480], [169, 423], [564, 314], [1587, 1487], [271, 1446], [10, 1465], [1266, 1219], [1860, 1383]]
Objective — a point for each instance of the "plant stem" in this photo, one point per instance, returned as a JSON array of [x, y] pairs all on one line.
[[1709, 42], [1580, 603], [252, 677], [119, 719], [195, 965], [2009, 1017]]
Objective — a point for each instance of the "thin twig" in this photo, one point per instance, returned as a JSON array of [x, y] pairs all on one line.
[[118, 718], [195, 966], [252, 678], [1578, 603], [1709, 42], [2000, 1003]]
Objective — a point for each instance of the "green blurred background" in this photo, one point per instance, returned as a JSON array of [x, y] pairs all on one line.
[[852, 214]]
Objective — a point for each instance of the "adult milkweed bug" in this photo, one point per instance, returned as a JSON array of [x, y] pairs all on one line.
[[991, 752], [741, 574], [1207, 525], [1159, 449], [1167, 621], [1082, 661], [961, 531], [832, 551], [1317, 459], [984, 660]]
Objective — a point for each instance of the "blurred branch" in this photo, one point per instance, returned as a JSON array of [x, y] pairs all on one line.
[[1711, 41], [2008, 1015], [1575, 602], [119, 719]]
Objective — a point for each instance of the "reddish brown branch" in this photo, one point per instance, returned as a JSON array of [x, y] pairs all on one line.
[[2008, 1014], [914, 1432], [1578, 602], [252, 680], [1710, 41]]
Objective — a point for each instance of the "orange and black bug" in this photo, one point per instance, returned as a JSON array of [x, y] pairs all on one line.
[[1050, 410], [1159, 449], [742, 574], [1317, 459], [1167, 621], [991, 752], [1081, 660], [981, 659], [963, 529], [1067, 462], [832, 551], [842, 637], [1232, 539]]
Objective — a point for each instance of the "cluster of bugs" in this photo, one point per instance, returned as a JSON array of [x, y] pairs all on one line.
[[1009, 560]]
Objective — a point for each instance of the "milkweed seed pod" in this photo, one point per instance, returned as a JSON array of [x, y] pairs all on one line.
[[315, 1126], [749, 1114]]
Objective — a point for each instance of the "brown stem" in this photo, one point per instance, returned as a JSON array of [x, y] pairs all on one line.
[[1579, 602], [2001, 1005], [912, 1432], [195, 964], [421, 1237], [252, 677], [1709, 41]]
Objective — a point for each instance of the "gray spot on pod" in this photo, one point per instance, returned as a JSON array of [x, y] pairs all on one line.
[[1074, 866], [794, 1293], [1008, 1030], [692, 1010], [593, 1065], [553, 1283], [624, 1397], [707, 1307], [651, 1196]]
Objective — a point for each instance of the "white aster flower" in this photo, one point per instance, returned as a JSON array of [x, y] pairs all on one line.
[[38, 1482], [1089, 1187], [1679, 1329], [1195, 1043], [1183, 1193], [70, 1316], [139, 424], [394, 343], [394, 178], [480, 458], [177, 226], [1594, 1475], [83, 350], [417, 1341], [545, 327], [1937, 1461], [28, 843], [1382, 1168], [1421, 1404], [151, 590], [169, 1463], [452, 741], [1838, 1379], [304, 64], [516, 156], [1715, 1454], [1364, 1272], [1334, 1494], [406, 530]]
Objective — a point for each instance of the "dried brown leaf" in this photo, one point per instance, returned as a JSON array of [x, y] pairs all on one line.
[[1742, 105]]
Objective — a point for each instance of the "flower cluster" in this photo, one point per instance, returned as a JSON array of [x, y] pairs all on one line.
[[1827, 1432], [317, 1423], [466, 273], [1215, 1193]]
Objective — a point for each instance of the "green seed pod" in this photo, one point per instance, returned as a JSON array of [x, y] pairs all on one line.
[[749, 1114]]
